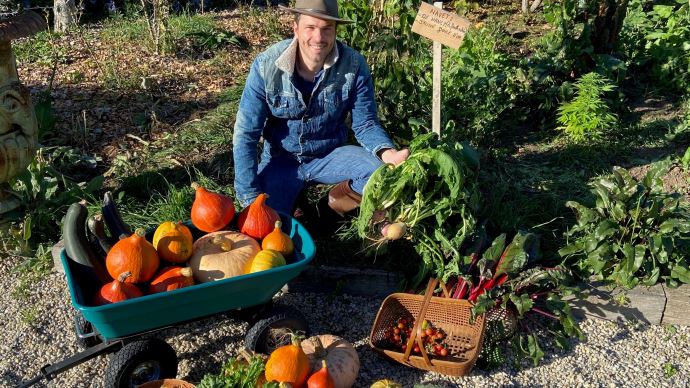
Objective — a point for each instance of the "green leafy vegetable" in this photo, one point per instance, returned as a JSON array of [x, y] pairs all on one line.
[[634, 234], [434, 192], [236, 373]]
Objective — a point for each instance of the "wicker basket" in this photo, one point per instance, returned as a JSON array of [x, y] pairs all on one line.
[[463, 338]]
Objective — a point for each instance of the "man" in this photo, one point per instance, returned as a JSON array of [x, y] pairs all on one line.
[[297, 96]]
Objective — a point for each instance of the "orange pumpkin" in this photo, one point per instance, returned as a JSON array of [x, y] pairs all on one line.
[[321, 378], [173, 242], [211, 211], [171, 278], [117, 291], [278, 241], [258, 219], [288, 364], [135, 255]]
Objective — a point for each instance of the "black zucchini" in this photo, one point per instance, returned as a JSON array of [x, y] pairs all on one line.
[[89, 268], [112, 218], [97, 236]]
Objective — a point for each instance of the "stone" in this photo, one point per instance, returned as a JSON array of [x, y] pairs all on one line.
[[677, 310], [643, 304], [55, 251]]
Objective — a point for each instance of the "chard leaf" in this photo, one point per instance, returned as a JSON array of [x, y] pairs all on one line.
[[585, 215], [522, 303], [681, 272], [605, 229], [535, 352], [651, 277]]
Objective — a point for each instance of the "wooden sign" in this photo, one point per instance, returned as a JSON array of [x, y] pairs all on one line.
[[440, 26]]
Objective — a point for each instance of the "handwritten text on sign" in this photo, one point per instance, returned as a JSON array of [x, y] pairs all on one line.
[[440, 26]]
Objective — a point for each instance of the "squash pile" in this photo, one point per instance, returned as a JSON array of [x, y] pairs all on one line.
[[123, 265]]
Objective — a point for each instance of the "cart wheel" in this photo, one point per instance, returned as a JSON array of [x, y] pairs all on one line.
[[83, 326], [139, 362], [272, 329]]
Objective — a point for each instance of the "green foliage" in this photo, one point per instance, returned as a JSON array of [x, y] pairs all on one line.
[[587, 116], [40, 49], [657, 39], [400, 60], [634, 234], [236, 373], [45, 190], [196, 36]]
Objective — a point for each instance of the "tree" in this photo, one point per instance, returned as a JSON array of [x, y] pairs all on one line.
[[65, 12]]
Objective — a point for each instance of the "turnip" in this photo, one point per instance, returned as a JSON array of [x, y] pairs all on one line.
[[394, 231]]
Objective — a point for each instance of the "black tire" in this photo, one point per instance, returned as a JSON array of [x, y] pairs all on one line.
[[139, 362], [272, 329], [84, 326]]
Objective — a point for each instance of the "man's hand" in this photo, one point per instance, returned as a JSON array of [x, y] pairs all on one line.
[[394, 156]]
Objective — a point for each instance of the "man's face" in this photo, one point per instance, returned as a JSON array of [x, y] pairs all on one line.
[[315, 36]]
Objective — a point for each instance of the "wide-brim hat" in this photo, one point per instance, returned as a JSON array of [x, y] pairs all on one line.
[[322, 9]]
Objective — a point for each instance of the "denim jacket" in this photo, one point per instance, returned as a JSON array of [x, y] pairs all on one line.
[[272, 107]]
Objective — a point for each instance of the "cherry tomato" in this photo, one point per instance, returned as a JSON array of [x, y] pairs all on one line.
[[440, 335], [401, 326], [396, 338], [416, 349], [429, 331], [396, 331], [443, 352], [403, 347], [402, 320]]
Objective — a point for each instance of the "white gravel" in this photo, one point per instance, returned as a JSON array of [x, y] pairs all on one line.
[[614, 354]]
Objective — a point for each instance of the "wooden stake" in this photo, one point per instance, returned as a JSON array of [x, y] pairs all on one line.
[[436, 99]]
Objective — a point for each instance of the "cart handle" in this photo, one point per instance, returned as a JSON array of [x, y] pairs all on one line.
[[49, 372]]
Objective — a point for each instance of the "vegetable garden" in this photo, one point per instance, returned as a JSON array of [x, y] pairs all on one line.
[[563, 160]]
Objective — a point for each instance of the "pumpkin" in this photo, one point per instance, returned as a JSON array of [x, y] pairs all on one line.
[[321, 378], [288, 364], [258, 219], [117, 291], [386, 383], [278, 241], [340, 355], [265, 259], [221, 255], [171, 278], [135, 255], [211, 211], [173, 241]]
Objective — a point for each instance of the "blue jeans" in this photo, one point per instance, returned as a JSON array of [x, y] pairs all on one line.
[[282, 177]]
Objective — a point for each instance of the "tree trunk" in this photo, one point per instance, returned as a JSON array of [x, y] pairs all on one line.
[[607, 25], [65, 14]]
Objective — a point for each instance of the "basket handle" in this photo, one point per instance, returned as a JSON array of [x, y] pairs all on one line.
[[416, 330]]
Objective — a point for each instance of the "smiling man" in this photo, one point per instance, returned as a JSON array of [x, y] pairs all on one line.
[[297, 97]]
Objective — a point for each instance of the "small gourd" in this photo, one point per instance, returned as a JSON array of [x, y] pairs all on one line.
[[117, 291], [135, 255], [278, 241], [258, 219], [221, 255], [385, 383], [173, 242], [211, 211], [321, 378], [264, 260], [288, 364], [171, 278]]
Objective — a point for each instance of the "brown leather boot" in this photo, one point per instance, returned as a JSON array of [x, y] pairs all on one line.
[[342, 198]]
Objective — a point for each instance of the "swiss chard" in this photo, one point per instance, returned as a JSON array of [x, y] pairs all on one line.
[[635, 233]]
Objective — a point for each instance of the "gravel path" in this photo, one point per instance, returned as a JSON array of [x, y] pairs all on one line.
[[614, 355]]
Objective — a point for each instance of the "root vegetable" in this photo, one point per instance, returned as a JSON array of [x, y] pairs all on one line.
[[394, 231]]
